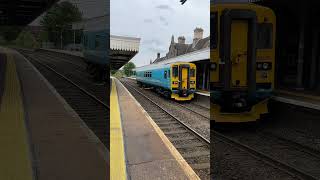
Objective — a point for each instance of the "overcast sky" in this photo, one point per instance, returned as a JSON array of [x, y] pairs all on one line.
[[156, 21]]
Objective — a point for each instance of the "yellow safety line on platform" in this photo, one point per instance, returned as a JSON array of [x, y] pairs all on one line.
[[175, 153], [15, 163], [117, 157]]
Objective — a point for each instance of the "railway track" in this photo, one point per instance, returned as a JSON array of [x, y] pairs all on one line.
[[192, 107], [91, 109], [201, 106], [266, 153], [192, 146], [78, 74], [259, 154]]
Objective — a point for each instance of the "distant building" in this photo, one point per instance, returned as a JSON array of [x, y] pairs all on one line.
[[198, 52], [180, 47]]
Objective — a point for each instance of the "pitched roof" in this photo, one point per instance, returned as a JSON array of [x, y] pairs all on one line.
[[185, 48]]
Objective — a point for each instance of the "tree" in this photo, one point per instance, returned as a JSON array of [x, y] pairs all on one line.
[[58, 21], [26, 40], [127, 68], [10, 33]]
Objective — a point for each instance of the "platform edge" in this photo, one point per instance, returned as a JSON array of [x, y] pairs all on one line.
[[182, 162]]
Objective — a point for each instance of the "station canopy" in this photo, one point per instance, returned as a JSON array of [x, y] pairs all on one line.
[[22, 12], [122, 50]]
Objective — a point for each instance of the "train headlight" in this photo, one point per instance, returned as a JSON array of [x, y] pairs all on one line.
[[259, 66], [264, 65], [214, 66]]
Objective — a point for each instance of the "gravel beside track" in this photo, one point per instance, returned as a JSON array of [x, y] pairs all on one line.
[[199, 121]]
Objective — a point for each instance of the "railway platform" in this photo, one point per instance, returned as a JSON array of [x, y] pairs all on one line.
[[41, 136], [139, 149], [71, 53], [301, 99]]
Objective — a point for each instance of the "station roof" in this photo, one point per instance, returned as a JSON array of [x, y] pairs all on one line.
[[200, 55], [122, 50], [22, 12]]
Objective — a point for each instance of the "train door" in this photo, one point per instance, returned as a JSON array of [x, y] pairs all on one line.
[[239, 45], [238, 52], [184, 76]]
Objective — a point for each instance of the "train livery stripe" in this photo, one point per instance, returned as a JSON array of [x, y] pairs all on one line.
[[182, 162], [117, 153], [15, 154]]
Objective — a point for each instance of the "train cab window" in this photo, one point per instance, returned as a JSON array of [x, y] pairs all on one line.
[[192, 73], [175, 71], [264, 36], [165, 74], [214, 30]]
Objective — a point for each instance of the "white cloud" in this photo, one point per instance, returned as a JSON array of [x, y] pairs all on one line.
[[155, 22]]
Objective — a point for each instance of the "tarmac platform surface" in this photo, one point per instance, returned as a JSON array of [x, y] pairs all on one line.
[[41, 136]]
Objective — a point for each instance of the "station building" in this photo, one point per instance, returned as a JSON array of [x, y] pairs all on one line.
[[197, 52]]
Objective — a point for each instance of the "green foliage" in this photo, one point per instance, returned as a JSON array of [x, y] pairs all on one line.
[[113, 72], [127, 69], [59, 20], [10, 33], [117, 73], [26, 40], [44, 36]]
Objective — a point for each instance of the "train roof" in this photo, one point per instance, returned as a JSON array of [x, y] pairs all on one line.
[[239, 5], [157, 66]]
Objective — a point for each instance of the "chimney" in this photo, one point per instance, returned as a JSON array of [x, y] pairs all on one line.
[[158, 55], [181, 40], [198, 34]]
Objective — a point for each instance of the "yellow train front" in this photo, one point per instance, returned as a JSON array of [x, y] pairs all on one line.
[[243, 57], [175, 80]]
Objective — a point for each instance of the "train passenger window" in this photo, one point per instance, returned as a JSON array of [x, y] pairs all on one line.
[[264, 36], [175, 71], [192, 73], [165, 74], [150, 74], [214, 30], [168, 73]]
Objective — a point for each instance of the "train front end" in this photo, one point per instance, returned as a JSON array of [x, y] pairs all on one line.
[[243, 54], [183, 81]]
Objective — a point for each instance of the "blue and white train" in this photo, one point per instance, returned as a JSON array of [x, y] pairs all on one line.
[[175, 80]]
